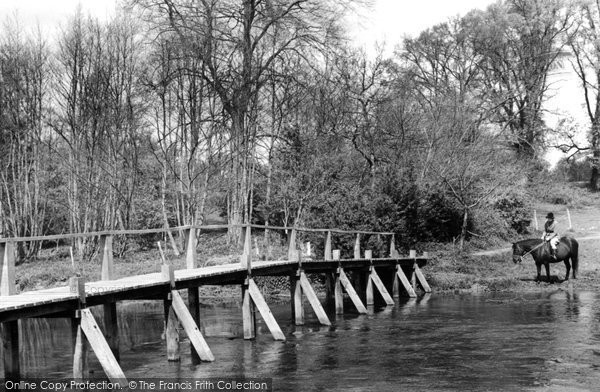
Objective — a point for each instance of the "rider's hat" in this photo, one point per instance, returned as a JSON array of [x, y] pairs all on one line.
[[550, 216]]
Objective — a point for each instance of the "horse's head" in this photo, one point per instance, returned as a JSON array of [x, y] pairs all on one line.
[[517, 253]]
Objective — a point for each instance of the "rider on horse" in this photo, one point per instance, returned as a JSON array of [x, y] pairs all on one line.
[[550, 233]]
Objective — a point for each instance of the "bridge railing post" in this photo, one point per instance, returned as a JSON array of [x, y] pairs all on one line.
[[393, 251], [357, 247], [327, 254], [246, 258], [191, 258], [292, 254]]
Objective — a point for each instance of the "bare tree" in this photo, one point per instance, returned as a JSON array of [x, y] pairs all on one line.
[[584, 40], [23, 91]]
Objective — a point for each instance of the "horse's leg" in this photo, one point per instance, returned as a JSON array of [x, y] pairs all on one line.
[[538, 266], [547, 264], [568, 266]]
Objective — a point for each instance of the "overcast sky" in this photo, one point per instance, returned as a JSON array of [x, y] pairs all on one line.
[[388, 20]]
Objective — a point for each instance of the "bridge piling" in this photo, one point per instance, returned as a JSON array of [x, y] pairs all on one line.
[[191, 261], [111, 326], [9, 331]]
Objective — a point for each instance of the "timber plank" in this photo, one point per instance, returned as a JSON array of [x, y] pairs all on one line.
[[381, 287], [313, 300], [352, 293], [101, 348], [264, 310], [190, 327]]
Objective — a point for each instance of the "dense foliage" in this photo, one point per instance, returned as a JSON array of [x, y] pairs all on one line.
[[176, 113]]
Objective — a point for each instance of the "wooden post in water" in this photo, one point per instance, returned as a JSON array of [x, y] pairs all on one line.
[[9, 331], [111, 324], [248, 316], [191, 261], [248, 311], [370, 298], [375, 281], [338, 293], [80, 344], [171, 322], [420, 277], [413, 278]]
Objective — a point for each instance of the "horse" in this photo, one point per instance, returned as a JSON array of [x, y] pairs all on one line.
[[567, 251]]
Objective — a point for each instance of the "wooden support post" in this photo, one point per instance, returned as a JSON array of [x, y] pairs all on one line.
[[248, 316], [9, 338], [401, 278], [393, 252], [298, 304], [9, 331], [194, 307], [80, 349], [329, 288], [7, 269], [101, 349], [264, 310], [171, 322], [193, 294], [370, 298], [293, 281], [313, 299], [77, 286], [292, 252], [357, 247], [351, 292], [375, 280], [190, 327], [421, 278], [111, 326], [172, 334], [338, 293], [191, 259], [327, 255], [413, 278]]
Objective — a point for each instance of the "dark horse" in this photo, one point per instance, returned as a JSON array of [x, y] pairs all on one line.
[[567, 250]]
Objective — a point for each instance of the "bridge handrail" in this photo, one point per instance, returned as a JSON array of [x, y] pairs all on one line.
[[54, 237]]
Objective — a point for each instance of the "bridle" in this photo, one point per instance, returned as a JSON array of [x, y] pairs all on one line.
[[531, 250]]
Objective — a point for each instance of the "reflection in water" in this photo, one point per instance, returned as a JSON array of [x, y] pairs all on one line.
[[434, 342]]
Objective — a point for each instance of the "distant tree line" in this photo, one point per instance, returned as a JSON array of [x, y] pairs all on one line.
[[259, 111]]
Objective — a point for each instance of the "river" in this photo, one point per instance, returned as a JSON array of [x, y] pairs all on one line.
[[542, 341]]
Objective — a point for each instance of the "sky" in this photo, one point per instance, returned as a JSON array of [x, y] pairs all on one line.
[[385, 22]]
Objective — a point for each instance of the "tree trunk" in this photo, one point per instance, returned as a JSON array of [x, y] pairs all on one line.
[[463, 231]]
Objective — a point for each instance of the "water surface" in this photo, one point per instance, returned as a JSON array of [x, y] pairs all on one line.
[[433, 343]]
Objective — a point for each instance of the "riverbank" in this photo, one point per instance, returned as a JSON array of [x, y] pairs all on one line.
[[475, 270]]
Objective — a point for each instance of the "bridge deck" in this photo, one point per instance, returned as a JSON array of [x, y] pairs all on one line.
[[155, 285]]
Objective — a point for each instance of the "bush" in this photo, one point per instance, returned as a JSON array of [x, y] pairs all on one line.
[[515, 209]]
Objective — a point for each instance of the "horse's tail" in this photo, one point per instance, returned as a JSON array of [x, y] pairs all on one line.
[[574, 256]]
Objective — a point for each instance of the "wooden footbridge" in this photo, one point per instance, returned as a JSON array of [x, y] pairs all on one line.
[[363, 278]]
